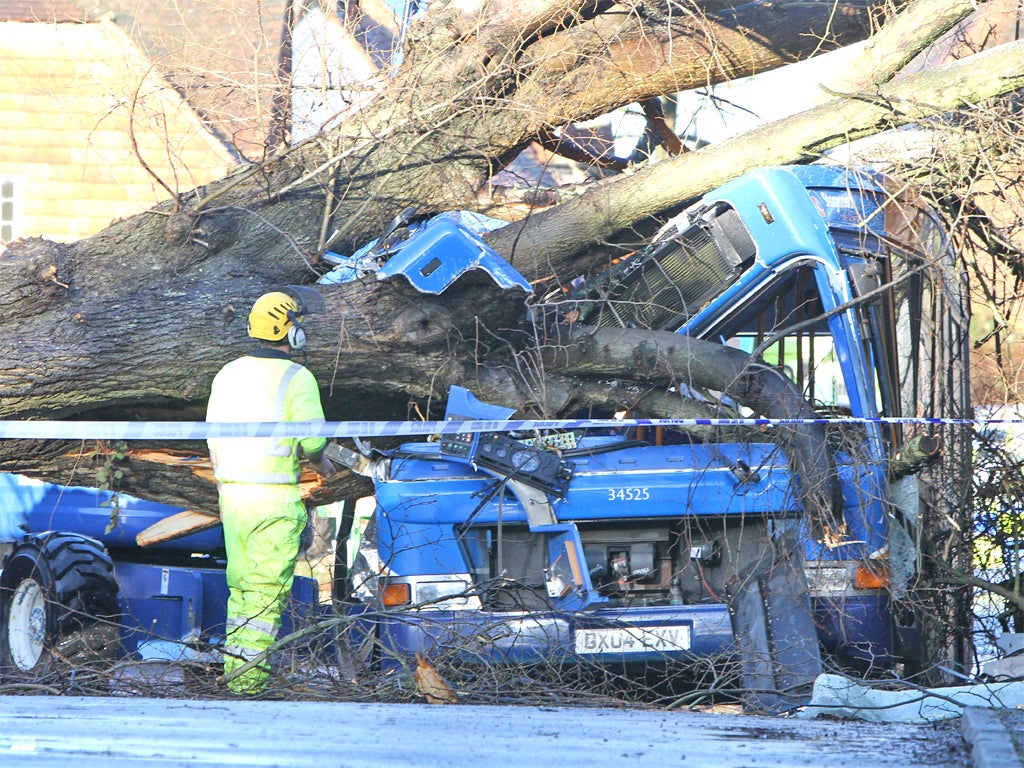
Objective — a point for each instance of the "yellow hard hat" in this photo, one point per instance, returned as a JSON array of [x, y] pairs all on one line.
[[272, 316]]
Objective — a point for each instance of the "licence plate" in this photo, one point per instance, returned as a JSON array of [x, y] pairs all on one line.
[[632, 639]]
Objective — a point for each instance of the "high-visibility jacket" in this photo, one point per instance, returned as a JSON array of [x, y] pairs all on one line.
[[266, 385]]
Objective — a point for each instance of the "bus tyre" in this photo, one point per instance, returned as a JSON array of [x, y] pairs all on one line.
[[58, 606]]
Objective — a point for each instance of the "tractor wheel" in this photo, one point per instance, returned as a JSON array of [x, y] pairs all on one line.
[[58, 606]]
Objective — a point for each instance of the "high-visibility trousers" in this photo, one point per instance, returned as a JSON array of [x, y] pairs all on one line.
[[263, 527]]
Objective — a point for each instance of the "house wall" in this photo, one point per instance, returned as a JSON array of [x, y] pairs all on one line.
[[82, 115], [333, 76]]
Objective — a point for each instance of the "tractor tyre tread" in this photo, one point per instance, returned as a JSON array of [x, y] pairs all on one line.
[[81, 590]]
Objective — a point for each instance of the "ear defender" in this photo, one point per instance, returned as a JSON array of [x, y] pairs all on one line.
[[296, 334]]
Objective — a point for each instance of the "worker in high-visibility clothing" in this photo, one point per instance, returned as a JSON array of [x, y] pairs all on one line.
[[258, 481]]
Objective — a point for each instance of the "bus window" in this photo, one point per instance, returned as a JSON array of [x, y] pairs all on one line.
[[806, 354]]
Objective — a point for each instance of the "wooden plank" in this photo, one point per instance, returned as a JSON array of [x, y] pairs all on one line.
[[176, 526]]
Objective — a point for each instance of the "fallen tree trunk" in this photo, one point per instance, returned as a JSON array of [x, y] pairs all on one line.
[[135, 322]]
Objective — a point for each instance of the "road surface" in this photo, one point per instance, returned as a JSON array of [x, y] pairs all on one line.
[[88, 732]]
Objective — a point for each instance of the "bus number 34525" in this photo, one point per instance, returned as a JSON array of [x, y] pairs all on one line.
[[628, 494]]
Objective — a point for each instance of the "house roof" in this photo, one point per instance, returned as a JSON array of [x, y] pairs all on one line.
[[224, 56], [221, 56]]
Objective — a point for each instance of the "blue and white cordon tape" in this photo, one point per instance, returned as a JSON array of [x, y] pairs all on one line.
[[201, 430]]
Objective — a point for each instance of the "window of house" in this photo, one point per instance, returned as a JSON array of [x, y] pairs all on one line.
[[11, 189]]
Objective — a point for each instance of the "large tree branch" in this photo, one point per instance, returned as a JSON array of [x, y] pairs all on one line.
[[548, 241], [639, 55], [675, 359], [444, 129], [890, 49]]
